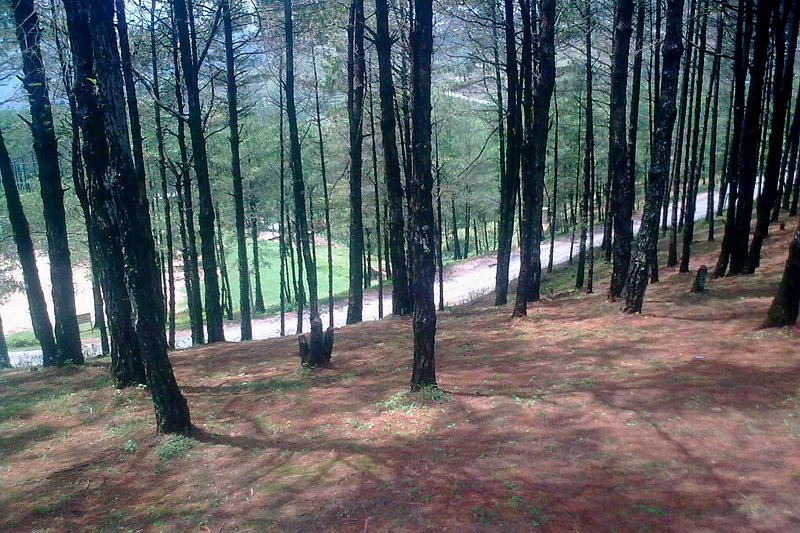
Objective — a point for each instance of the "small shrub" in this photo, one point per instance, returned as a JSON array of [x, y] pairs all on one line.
[[171, 447]]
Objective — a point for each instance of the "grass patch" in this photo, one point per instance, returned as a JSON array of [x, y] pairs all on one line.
[[406, 402], [174, 446], [277, 385]]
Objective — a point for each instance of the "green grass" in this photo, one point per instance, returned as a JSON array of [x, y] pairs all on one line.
[[175, 446]]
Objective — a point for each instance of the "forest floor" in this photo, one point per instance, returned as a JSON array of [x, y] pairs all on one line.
[[576, 418]]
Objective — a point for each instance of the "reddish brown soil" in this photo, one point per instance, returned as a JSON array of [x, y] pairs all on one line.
[[578, 418]]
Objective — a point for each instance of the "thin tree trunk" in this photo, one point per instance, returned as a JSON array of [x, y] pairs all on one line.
[[356, 68], [785, 48], [45, 146], [785, 306], [696, 148], [245, 318], [318, 350], [190, 66], [510, 186], [42, 327], [647, 239]]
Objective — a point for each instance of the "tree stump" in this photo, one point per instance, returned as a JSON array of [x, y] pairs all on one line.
[[316, 348], [699, 284]]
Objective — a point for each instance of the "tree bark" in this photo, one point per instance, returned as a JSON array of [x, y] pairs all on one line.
[[319, 351], [356, 67], [190, 66], [42, 327], [647, 239], [45, 146], [509, 186], [401, 292], [784, 18], [785, 306], [536, 101], [621, 187], [245, 314], [121, 196], [421, 201]]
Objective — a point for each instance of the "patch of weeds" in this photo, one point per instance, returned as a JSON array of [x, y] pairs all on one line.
[[157, 515], [131, 446], [277, 385], [51, 506], [510, 485], [172, 447], [794, 430], [481, 515], [407, 402], [360, 426], [696, 401], [123, 429], [515, 501], [537, 517], [650, 509]]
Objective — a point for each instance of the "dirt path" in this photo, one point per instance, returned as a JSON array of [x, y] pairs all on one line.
[[463, 282]]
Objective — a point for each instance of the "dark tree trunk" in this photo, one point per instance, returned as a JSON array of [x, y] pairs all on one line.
[[712, 151], [184, 190], [672, 257], [554, 208], [190, 66], [751, 130], [326, 196], [121, 196], [401, 292], [696, 148], [356, 68], [509, 186], [647, 239], [536, 101], [236, 173], [466, 230], [227, 295], [441, 231], [785, 306], [319, 347], [791, 166], [744, 29], [5, 361], [45, 147], [421, 201], [587, 207], [282, 228], [42, 327], [456, 241], [621, 192], [258, 300], [785, 48], [376, 195], [162, 169]]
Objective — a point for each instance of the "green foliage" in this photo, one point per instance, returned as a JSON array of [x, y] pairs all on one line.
[[173, 446], [407, 402]]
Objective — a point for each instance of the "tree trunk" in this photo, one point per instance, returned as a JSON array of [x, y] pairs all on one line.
[[784, 308], [45, 146], [162, 169], [509, 186], [5, 361], [622, 189], [245, 318], [401, 292], [184, 189], [647, 239], [121, 196], [42, 328], [258, 304], [696, 148], [421, 201], [356, 68], [190, 66], [536, 101], [319, 348], [785, 48], [456, 241], [751, 129]]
